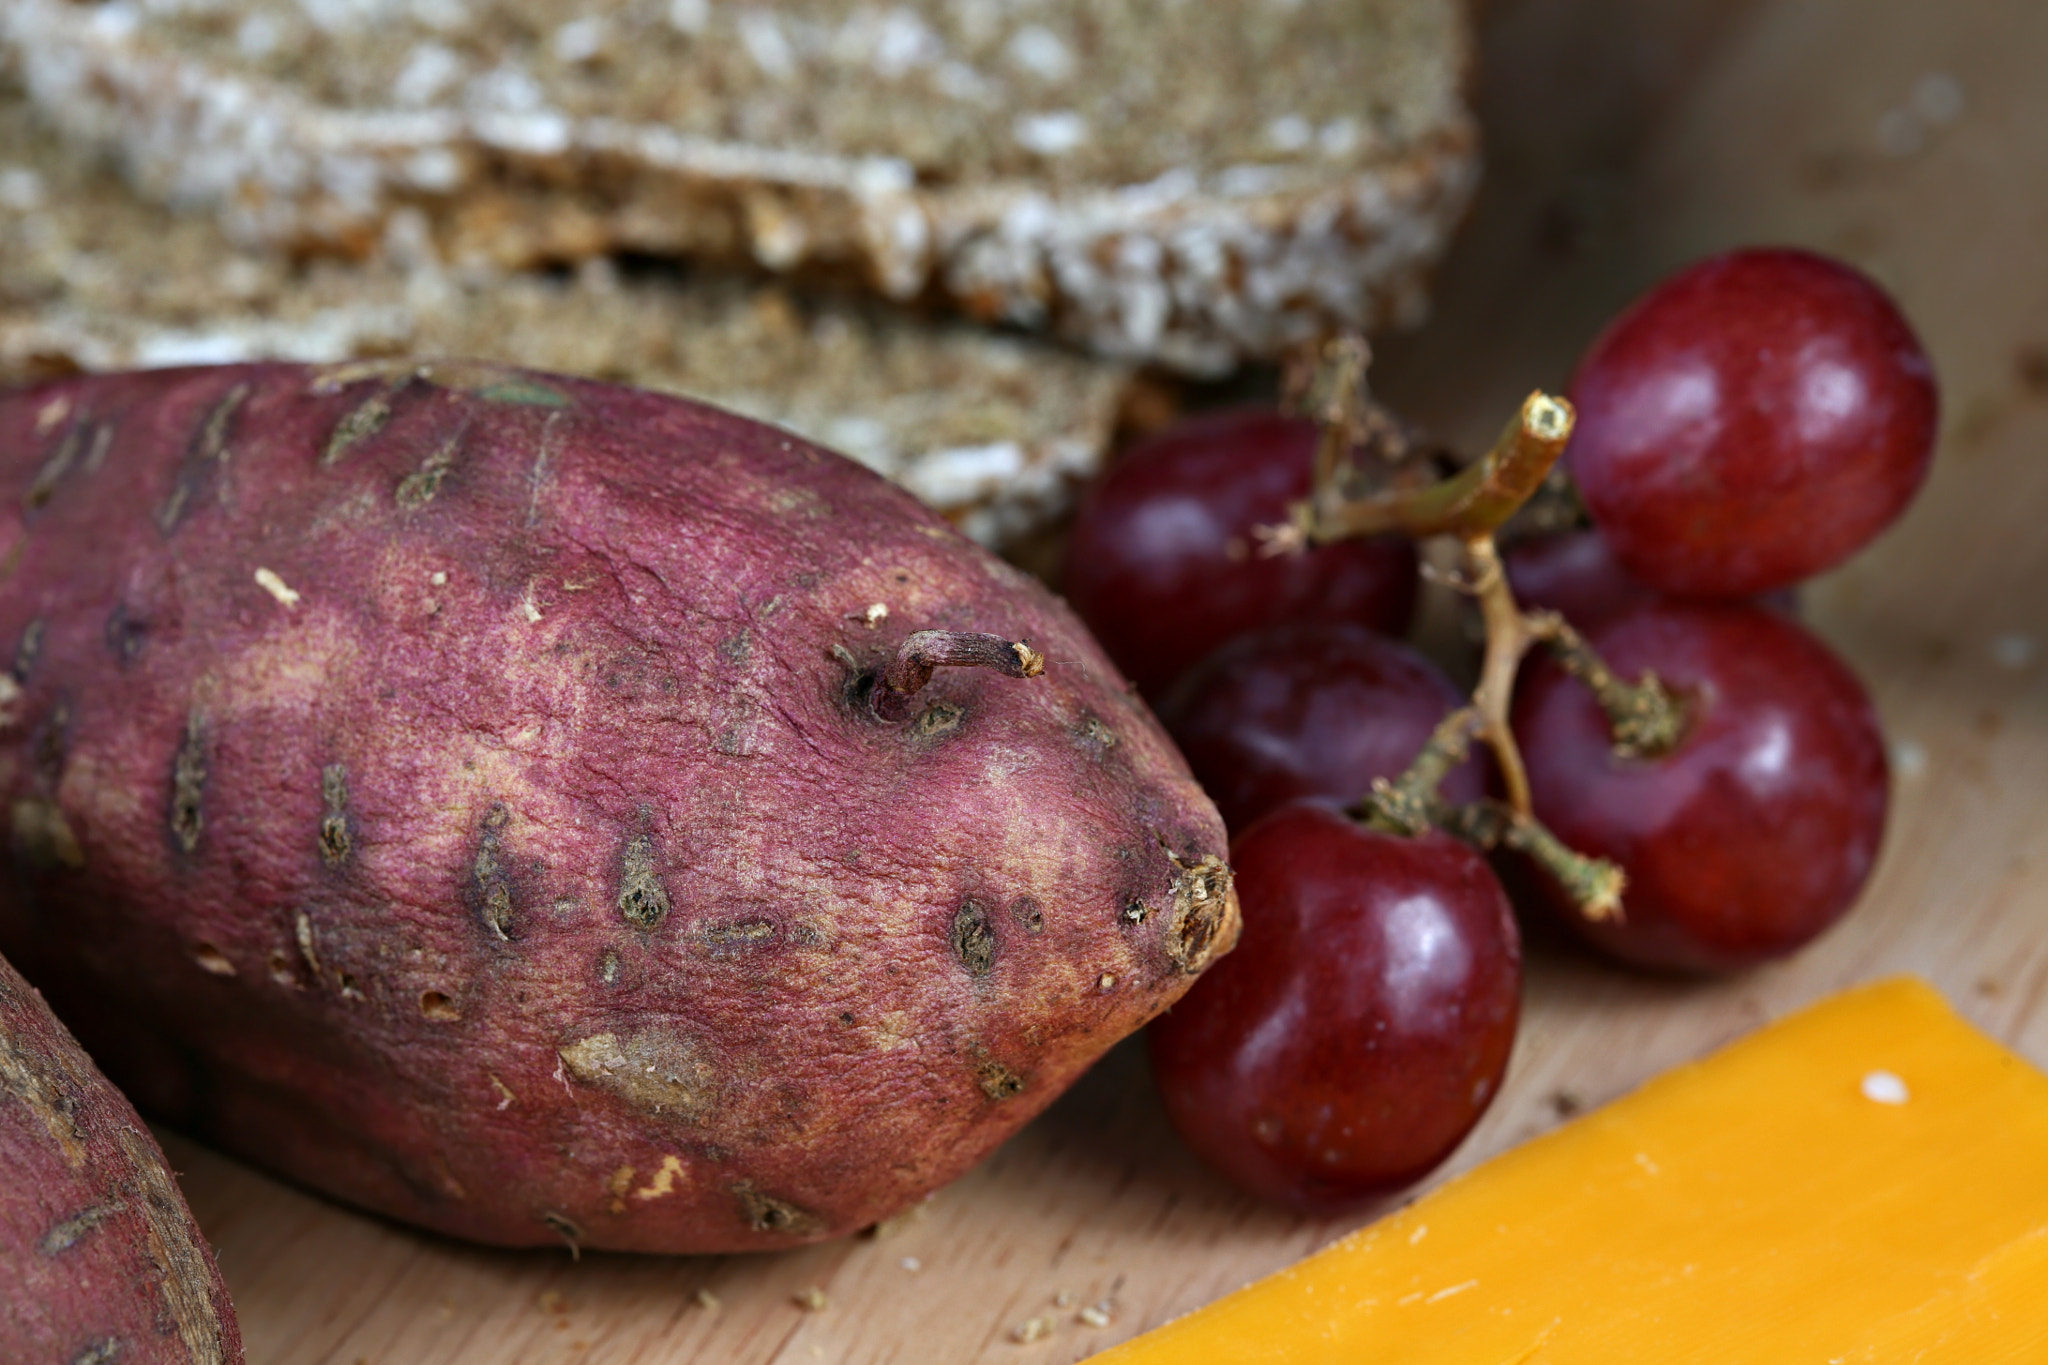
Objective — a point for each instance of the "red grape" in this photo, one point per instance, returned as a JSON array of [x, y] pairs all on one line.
[[1759, 829], [1362, 1025], [1751, 421], [1314, 711], [1164, 566], [1575, 574]]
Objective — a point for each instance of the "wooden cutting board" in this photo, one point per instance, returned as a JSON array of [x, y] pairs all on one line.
[[1625, 139]]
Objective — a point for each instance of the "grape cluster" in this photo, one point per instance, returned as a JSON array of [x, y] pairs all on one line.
[[1749, 423]]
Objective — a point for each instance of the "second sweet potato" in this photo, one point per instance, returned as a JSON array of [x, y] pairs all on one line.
[[100, 1261]]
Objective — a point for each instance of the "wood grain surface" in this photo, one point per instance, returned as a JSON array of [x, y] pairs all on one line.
[[1625, 138]]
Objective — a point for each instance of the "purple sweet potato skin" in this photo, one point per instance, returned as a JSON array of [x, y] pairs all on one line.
[[451, 787], [99, 1257]]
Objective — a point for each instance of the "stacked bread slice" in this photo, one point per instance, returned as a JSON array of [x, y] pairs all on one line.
[[992, 429], [766, 204]]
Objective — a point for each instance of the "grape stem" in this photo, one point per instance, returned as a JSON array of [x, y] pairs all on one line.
[[1328, 385], [1646, 718], [1471, 506], [1508, 640], [1476, 500], [1336, 394], [1594, 884], [1409, 806]]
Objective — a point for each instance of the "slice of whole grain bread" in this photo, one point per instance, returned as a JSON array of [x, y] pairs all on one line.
[[1188, 182], [996, 431]]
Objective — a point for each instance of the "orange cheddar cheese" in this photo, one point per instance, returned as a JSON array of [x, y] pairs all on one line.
[[1865, 1181]]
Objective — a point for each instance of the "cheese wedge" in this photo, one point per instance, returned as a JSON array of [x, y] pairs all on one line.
[[1865, 1181]]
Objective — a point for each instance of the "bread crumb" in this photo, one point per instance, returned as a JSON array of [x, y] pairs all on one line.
[[912, 1264], [1033, 1329], [707, 1301], [1063, 1299], [811, 1300], [1096, 1314]]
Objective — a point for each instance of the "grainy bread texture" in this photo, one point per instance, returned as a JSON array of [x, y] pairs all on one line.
[[1179, 182], [993, 430], [100, 1260]]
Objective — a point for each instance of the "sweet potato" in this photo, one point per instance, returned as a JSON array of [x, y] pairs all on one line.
[[100, 1260], [527, 807]]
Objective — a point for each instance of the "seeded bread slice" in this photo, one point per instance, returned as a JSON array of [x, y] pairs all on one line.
[[1189, 182], [995, 431]]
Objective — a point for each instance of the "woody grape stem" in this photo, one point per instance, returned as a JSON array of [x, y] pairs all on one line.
[[1476, 500], [1646, 718], [1471, 506], [1409, 806]]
